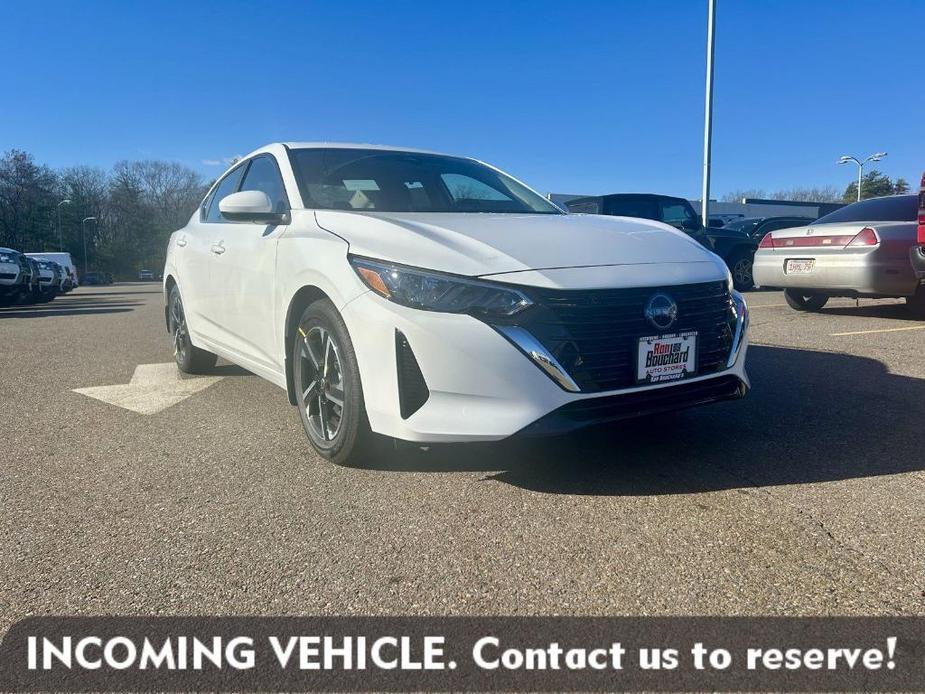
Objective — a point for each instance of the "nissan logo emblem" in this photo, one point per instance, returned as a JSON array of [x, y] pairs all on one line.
[[661, 311]]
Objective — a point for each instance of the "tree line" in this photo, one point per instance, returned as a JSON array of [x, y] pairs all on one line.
[[874, 185], [134, 208]]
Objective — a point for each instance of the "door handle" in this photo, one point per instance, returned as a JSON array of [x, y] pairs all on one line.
[[181, 241], [218, 248]]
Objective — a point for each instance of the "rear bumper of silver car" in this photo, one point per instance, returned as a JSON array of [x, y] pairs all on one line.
[[870, 273]]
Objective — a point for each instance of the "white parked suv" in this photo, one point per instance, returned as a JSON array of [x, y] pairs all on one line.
[[402, 294]]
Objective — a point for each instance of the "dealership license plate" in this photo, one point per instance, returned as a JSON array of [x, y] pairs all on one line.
[[666, 357], [797, 266]]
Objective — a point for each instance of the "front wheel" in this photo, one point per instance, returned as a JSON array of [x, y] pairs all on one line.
[[804, 301], [328, 391], [740, 265], [190, 359]]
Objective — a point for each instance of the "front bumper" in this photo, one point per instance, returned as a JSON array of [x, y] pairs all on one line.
[[838, 272], [917, 256], [483, 388]]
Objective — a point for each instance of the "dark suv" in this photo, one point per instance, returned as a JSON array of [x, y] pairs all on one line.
[[735, 247]]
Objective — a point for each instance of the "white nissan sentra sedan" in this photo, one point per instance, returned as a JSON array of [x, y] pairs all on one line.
[[405, 295]]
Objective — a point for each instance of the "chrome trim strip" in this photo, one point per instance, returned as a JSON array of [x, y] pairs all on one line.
[[530, 346], [741, 309]]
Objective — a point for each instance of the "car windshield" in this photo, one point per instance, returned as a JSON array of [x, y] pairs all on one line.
[[389, 181], [895, 208]]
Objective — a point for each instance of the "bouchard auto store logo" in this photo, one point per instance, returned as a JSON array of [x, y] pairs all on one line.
[[661, 311]]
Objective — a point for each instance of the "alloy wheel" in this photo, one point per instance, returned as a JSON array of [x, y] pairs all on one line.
[[178, 327], [742, 272], [322, 386]]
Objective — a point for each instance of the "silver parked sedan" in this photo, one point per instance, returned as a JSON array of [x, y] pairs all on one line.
[[861, 250]]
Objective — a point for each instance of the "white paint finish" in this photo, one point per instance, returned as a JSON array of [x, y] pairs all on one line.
[[154, 387], [485, 244], [481, 386]]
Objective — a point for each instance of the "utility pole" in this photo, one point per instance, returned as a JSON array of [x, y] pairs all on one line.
[[83, 232], [60, 235], [708, 117]]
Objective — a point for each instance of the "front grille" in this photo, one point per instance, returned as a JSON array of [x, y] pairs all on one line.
[[594, 333], [7, 275]]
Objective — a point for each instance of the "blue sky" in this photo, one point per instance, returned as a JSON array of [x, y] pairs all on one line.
[[584, 97]]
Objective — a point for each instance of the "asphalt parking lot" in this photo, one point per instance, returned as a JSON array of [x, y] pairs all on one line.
[[804, 499]]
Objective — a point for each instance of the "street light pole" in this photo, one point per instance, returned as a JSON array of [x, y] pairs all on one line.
[[708, 117], [83, 233], [60, 235], [873, 157]]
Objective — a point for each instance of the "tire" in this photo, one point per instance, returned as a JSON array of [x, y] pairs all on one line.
[[805, 301], [916, 304], [324, 370], [190, 359], [740, 265]]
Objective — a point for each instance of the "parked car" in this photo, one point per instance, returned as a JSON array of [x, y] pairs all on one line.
[[145, 276], [423, 297], [15, 276], [33, 295], [757, 227], [917, 253], [861, 250], [49, 280], [93, 278], [734, 247], [63, 259]]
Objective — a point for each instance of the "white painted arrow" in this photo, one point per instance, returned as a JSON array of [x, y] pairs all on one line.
[[154, 387]]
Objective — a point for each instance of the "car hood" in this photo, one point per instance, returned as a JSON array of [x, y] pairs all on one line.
[[485, 244]]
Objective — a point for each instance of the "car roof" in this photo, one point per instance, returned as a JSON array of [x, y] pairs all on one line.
[[277, 147]]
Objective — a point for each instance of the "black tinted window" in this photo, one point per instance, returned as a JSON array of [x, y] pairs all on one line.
[[228, 186], [896, 208], [632, 207], [390, 181], [263, 175]]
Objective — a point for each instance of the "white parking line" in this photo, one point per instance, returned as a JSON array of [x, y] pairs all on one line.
[[884, 330]]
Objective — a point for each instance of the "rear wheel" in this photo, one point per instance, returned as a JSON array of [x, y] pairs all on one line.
[[190, 359], [805, 301], [740, 265], [328, 391]]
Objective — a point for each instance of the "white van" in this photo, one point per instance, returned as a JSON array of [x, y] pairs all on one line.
[[63, 259]]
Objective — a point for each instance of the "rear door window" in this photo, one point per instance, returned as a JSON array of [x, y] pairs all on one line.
[[677, 214]]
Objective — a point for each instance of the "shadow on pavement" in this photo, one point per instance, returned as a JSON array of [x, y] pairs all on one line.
[[897, 311], [810, 417], [73, 304]]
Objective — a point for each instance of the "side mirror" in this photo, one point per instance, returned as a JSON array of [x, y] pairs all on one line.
[[251, 206]]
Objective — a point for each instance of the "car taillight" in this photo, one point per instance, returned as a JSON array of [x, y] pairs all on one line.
[[767, 241], [921, 233], [865, 237]]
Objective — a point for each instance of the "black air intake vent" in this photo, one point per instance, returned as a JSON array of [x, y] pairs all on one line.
[[412, 388]]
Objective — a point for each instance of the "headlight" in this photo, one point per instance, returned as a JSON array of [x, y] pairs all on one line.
[[7, 258], [435, 291]]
